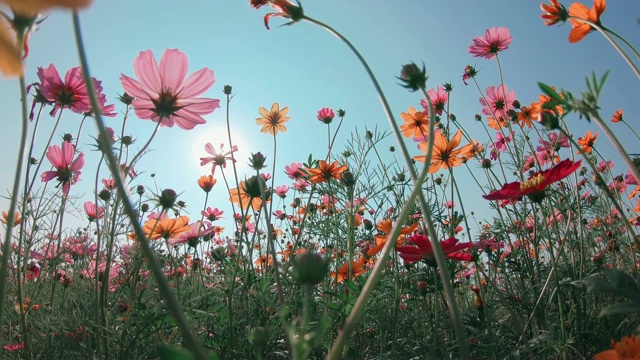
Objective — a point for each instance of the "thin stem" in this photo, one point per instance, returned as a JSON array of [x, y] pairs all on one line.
[[163, 284]]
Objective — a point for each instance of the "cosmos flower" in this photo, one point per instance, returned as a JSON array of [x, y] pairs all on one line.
[[10, 52], [416, 123], [71, 93], [554, 13], [617, 116], [587, 142], [580, 11], [164, 95], [438, 98], [92, 211], [495, 40], [284, 8], [326, 172], [535, 187], [627, 348], [445, 155], [326, 115], [358, 267], [385, 226], [17, 220], [498, 101], [206, 182], [423, 251], [67, 169], [273, 121], [218, 158], [166, 228]]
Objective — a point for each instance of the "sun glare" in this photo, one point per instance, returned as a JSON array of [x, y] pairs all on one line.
[[217, 135]]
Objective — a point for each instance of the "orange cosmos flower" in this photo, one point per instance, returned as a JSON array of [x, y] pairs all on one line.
[[166, 228], [206, 182], [617, 116], [554, 13], [248, 193], [543, 99], [10, 52], [445, 153], [385, 226], [527, 114], [343, 272], [416, 124], [326, 172], [496, 124], [580, 11], [272, 121], [626, 349], [17, 220], [587, 142]]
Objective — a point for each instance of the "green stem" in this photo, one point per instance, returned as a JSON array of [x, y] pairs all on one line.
[[165, 290]]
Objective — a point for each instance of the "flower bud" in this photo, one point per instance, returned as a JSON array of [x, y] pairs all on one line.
[[104, 195], [413, 77], [309, 268], [257, 160], [140, 190], [167, 198], [227, 89], [144, 207], [348, 179], [126, 99]]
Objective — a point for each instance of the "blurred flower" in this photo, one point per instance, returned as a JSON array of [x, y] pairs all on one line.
[[10, 52], [67, 169], [445, 153], [192, 235], [358, 267], [248, 193], [495, 40], [469, 73], [14, 347], [535, 187], [501, 142], [92, 211], [385, 226], [587, 142], [498, 101], [617, 116], [424, 250], [294, 171], [164, 95], [273, 121], [580, 11], [282, 191], [326, 172], [326, 115], [416, 123], [626, 349], [17, 220], [217, 158], [554, 13]]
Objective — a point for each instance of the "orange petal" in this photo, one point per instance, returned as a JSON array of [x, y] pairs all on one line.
[[578, 33], [10, 62]]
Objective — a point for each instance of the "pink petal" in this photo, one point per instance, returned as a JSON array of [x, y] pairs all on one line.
[[146, 69], [173, 69], [54, 154], [202, 106], [133, 87], [197, 83], [48, 175]]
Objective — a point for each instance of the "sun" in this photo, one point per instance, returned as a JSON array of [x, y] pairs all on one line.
[[217, 135]]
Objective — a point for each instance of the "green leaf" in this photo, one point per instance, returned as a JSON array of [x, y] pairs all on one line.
[[620, 308], [548, 90], [625, 285]]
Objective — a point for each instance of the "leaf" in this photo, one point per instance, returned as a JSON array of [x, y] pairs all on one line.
[[550, 92], [625, 285], [620, 308]]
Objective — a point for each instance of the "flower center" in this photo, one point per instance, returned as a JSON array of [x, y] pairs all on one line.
[[532, 183], [65, 175], [165, 105]]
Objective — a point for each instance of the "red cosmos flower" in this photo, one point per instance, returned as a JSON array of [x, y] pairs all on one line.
[[424, 250], [535, 187], [165, 93], [284, 9], [326, 115], [14, 347], [67, 169]]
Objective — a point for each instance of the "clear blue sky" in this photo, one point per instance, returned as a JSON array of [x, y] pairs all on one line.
[[305, 68]]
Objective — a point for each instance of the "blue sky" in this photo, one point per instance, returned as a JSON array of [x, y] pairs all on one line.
[[305, 68]]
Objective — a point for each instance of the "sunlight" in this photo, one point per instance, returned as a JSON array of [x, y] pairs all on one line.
[[217, 135]]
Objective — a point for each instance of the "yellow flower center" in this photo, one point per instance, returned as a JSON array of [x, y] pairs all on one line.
[[532, 183]]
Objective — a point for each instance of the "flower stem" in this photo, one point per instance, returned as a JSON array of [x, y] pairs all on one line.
[[172, 303]]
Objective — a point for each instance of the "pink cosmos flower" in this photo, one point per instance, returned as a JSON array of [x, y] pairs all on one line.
[[605, 166], [14, 347], [282, 190], [164, 95], [326, 115], [629, 179], [498, 101], [93, 212], [191, 236], [212, 214], [501, 142], [217, 158], [109, 184], [294, 171], [555, 142], [495, 40], [67, 169], [438, 98], [71, 93]]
